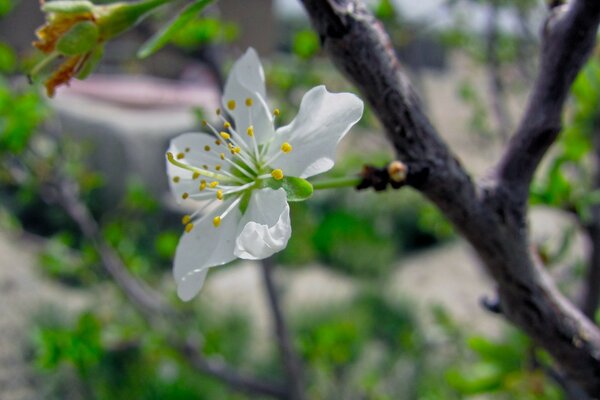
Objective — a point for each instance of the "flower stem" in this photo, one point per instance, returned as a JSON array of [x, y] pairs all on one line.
[[348, 181]]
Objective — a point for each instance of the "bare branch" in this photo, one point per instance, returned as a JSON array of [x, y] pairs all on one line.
[[290, 359], [493, 218], [569, 37]]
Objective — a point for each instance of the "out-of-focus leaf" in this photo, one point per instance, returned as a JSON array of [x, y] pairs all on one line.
[[163, 36]]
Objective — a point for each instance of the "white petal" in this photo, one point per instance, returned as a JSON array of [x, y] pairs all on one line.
[[247, 80], [322, 121], [196, 157], [204, 247], [190, 284], [265, 227]]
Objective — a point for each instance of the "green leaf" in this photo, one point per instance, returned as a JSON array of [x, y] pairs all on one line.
[[297, 189], [306, 44], [80, 39], [163, 36]]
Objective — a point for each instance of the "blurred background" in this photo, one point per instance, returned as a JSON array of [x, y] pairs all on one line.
[[380, 297]]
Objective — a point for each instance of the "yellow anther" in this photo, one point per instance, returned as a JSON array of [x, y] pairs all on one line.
[[196, 175], [225, 135], [186, 219], [170, 156], [202, 185], [217, 167], [236, 149], [218, 111], [277, 174], [176, 179], [220, 194], [397, 171], [276, 112], [213, 184], [231, 104], [222, 155], [185, 195], [180, 156], [187, 149], [216, 221], [250, 131], [218, 142], [286, 147], [248, 102], [227, 125], [207, 148], [188, 228], [204, 123], [204, 166]]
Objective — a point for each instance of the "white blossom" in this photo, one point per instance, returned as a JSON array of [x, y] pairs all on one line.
[[231, 171]]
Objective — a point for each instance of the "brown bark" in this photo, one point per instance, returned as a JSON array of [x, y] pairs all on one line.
[[492, 215]]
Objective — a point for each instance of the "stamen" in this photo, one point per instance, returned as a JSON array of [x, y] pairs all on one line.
[[202, 185], [176, 179], [225, 135], [277, 174], [250, 131], [222, 156], [218, 142], [286, 147], [217, 167], [185, 195], [188, 227], [187, 149], [218, 111], [186, 219], [207, 148], [204, 170], [180, 156], [276, 112], [226, 125], [249, 102], [217, 221], [195, 175], [231, 105], [220, 194], [213, 184]]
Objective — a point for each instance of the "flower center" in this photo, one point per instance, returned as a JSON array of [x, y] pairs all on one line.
[[243, 165]]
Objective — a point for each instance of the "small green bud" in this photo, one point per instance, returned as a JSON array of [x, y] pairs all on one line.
[[81, 38]]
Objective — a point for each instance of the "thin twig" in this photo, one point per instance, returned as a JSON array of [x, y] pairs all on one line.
[[290, 359], [495, 83], [149, 302]]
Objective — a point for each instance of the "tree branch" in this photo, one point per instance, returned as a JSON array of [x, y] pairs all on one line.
[[290, 359], [493, 217], [149, 302], [569, 37]]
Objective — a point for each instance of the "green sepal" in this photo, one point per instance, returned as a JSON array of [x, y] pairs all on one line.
[[68, 7], [297, 189], [91, 63], [80, 39]]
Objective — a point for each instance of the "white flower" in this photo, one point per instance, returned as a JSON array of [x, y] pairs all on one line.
[[236, 168]]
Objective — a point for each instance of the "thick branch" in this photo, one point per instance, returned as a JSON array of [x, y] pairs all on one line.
[[569, 37], [491, 219], [289, 357]]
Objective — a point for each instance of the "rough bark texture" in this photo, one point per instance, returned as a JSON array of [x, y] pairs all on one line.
[[492, 215]]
